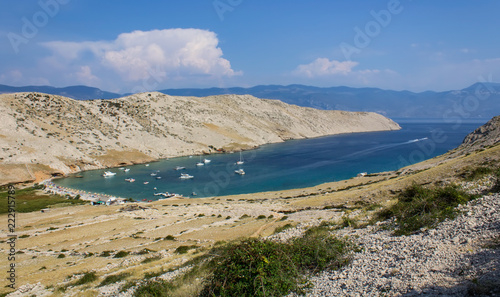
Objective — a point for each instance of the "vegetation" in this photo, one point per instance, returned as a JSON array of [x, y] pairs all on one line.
[[283, 228], [256, 267], [111, 279], [154, 289], [265, 268], [419, 207], [121, 254], [87, 277], [28, 200], [183, 249]]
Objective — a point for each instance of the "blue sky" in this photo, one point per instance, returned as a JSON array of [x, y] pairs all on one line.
[[130, 46]]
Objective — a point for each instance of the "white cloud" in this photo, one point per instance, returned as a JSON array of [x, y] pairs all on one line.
[[180, 54], [85, 76], [327, 72], [323, 66]]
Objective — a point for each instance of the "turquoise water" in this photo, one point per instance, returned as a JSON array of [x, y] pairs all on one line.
[[292, 164]]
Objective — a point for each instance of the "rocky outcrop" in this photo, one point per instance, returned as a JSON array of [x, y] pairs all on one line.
[[484, 136], [62, 135]]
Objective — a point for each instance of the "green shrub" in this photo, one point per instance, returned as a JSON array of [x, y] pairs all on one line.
[[60, 256], [420, 207], [261, 217], [183, 249], [121, 254], [154, 289], [111, 279], [169, 237], [265, 268], [283, 228], [87, 277], [105, 254]]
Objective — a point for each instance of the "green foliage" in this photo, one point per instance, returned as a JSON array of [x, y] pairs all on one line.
[[420, 207], [183, 249], [60, 256], [87, 277], [261, 217], [27, 200], [283, 228], [105, 254], [121, 254], [349, 222], [111, 279], [265, 268], [477, 172], [169, 237], [154, 289]]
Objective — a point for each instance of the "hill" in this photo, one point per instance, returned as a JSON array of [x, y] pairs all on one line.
[[51, 134], [152, 247], [480, 100], [74, 92]]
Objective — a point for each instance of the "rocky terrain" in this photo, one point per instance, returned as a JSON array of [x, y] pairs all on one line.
[[43, 135], [458, 258]]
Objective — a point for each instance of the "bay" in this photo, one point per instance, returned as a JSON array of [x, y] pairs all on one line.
[[280, 166]]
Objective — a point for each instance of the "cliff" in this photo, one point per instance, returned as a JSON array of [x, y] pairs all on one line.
[[43, 135]]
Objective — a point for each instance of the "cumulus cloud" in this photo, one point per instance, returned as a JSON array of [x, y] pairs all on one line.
[[323, 66], [179, 53]]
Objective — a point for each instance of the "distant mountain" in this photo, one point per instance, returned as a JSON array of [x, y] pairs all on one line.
[[465, 103], [481, 100], [74, 92]]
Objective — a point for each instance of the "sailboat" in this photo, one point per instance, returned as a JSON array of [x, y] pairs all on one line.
[[200, 163], [240, 162]]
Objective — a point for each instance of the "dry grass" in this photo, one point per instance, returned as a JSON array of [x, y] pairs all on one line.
[[83, 229]]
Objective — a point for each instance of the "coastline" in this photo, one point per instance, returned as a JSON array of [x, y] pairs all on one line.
[[205, 221]]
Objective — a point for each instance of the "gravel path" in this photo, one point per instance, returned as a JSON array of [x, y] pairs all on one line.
[[451, 260]]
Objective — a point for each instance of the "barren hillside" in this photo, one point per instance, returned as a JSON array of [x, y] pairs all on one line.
[[44, 134]]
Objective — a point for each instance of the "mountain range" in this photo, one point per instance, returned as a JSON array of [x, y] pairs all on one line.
[[480, 100]]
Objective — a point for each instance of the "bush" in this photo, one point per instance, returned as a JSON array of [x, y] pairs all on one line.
[[121, 254], [111, 279], [283, 228], [154, 289], [265, 268], [87, 277], [420, 207], [183, 249]]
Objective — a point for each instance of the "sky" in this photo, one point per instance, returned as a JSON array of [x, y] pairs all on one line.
[[128, 46]]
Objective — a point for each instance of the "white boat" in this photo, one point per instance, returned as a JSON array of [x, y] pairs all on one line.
[[158, 177], [179, 168], [130, 180], [154, 174], [200, 163], [240, 162], [239, 171], [146, 183], [185, 176], [147, 165], [126, 169], [109, 173], [206, 161]]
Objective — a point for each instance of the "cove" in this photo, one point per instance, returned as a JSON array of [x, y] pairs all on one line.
[[281, 166]]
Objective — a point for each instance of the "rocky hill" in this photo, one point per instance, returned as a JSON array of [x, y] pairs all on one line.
[[44, 134], [484, 136]]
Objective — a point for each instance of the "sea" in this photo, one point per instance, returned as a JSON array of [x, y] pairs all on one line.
[[280, 166]]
